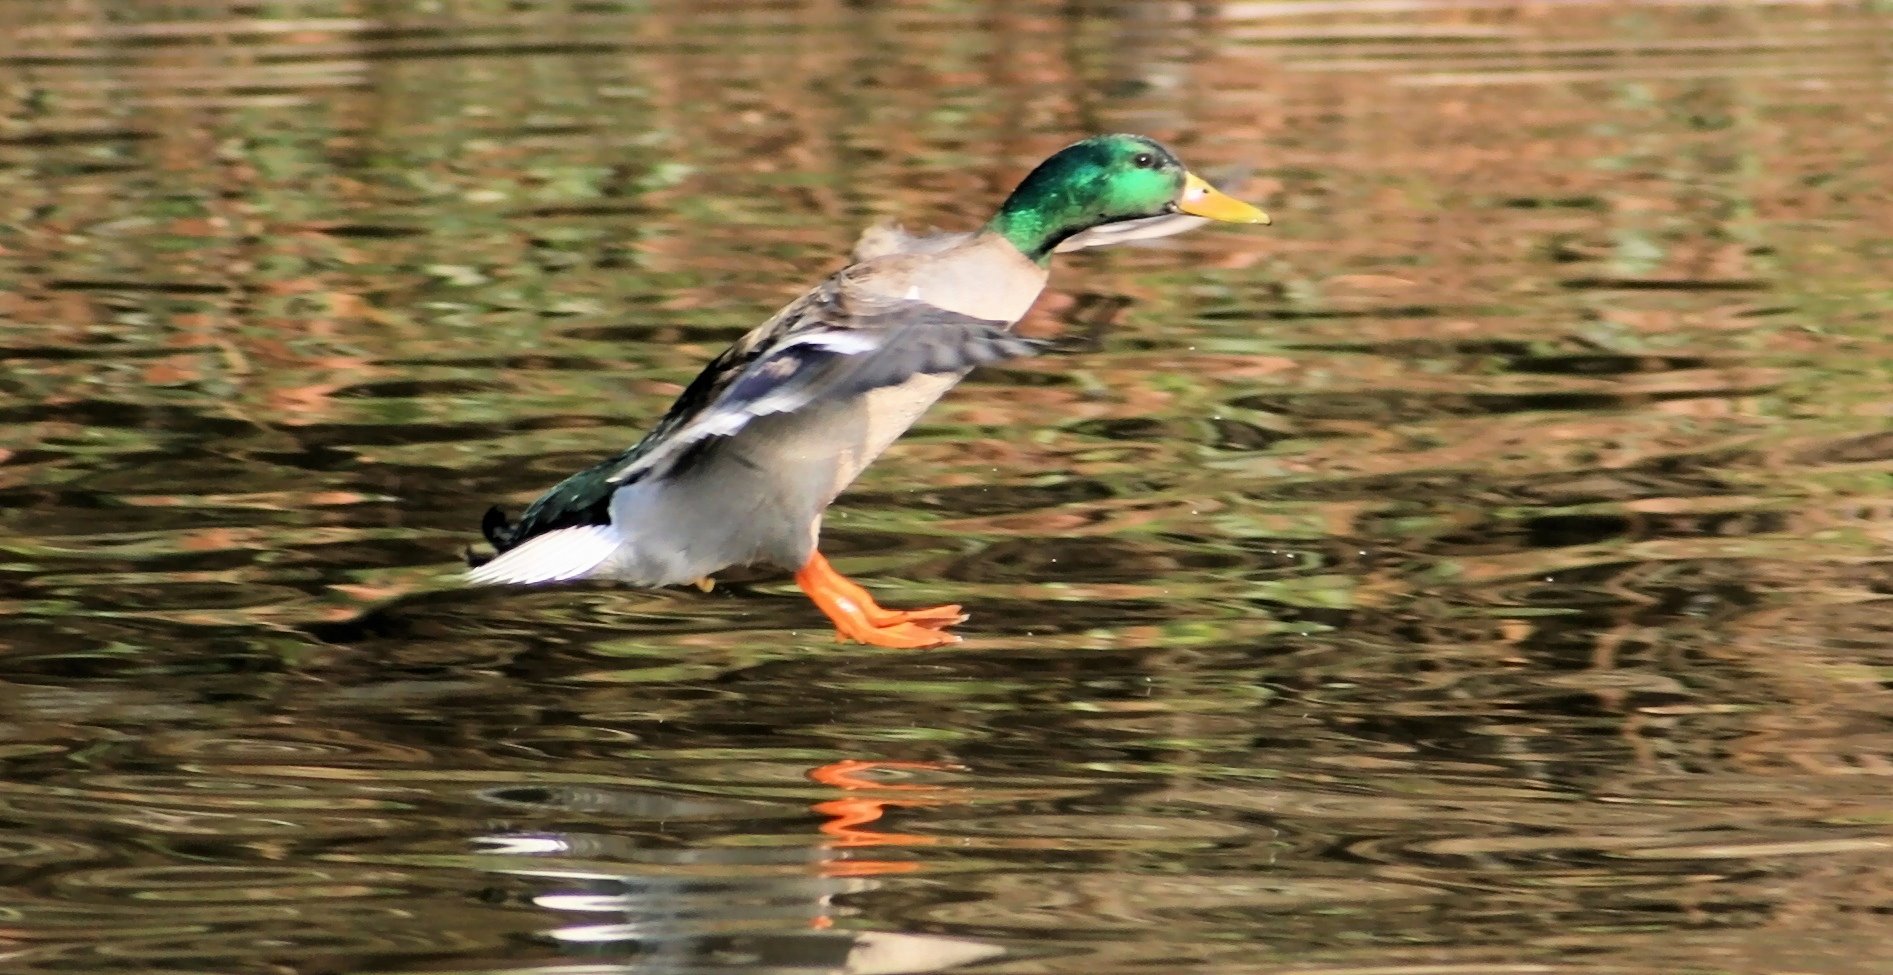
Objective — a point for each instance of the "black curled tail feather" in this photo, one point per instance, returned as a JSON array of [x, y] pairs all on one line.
[[498, 530]]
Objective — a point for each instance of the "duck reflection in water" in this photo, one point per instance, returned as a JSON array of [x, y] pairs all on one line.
[[685, 904]]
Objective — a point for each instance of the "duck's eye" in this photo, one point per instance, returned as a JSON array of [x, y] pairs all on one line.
[[1144, 160]]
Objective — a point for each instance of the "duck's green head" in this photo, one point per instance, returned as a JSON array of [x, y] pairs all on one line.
[[1107, 179]]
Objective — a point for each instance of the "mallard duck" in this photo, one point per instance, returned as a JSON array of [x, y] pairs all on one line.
[[742, 467]]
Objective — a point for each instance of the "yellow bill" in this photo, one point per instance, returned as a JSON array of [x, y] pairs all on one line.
[[1200, 199]]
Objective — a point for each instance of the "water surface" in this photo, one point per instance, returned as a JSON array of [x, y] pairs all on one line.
[[1480, 572]]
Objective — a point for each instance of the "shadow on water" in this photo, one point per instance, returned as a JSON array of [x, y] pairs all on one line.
[[1480, 572]]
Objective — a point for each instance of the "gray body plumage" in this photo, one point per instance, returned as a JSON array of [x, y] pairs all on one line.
[[742, 468]]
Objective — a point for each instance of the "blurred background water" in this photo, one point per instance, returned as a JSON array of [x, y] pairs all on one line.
[[1483, 571]]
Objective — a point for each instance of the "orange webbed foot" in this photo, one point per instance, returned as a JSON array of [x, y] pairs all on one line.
[[859, 618], [933, 617]]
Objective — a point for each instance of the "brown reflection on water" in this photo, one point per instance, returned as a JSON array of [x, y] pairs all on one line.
[[1481, 571]]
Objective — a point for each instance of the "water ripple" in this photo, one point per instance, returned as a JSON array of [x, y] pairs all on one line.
[[1481, 571]]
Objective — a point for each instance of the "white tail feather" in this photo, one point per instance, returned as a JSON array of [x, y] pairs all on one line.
[[556, 556]]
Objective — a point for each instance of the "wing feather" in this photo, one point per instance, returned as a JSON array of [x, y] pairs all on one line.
[[880, 342], [836, 342]]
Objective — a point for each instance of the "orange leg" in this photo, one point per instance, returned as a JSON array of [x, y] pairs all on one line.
[[858, 617]]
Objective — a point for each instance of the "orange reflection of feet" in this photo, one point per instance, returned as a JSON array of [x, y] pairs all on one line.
[[848, 774], [849, 817], [848, 820]]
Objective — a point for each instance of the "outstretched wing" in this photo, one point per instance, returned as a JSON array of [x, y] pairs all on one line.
[[829, 346]]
